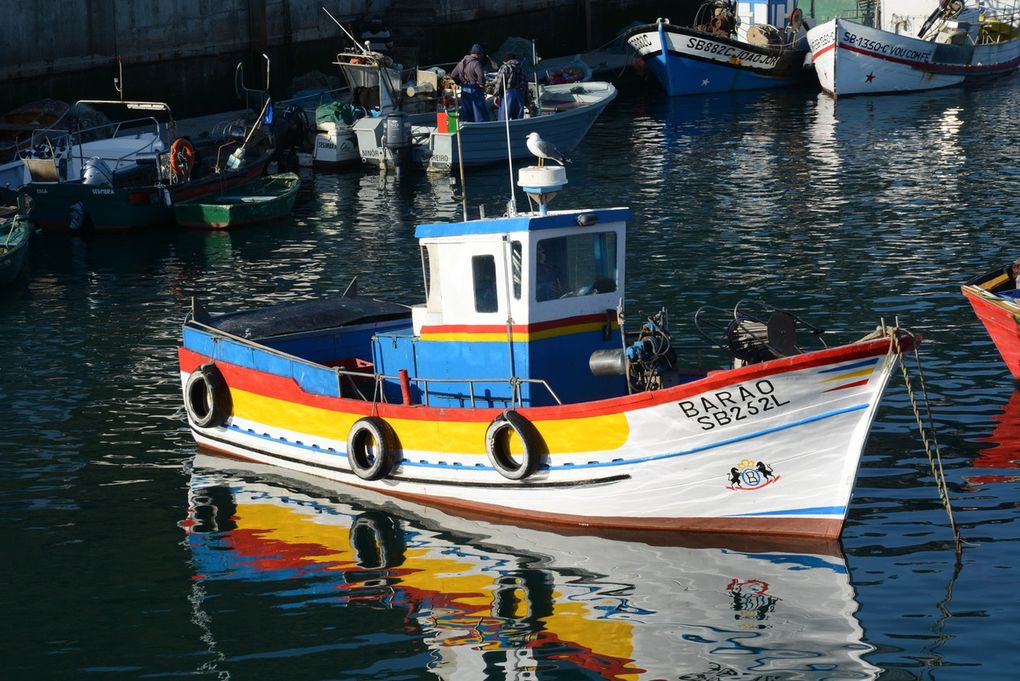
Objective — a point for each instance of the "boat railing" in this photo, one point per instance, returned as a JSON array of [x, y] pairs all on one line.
[[379, 395], [515, 383], [52, 139]]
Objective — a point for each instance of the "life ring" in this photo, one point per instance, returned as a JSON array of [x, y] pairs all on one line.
[[370, 448], [497, 445], [182, 158], [206, 397]]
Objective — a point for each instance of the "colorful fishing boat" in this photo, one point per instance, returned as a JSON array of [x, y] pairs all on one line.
[[152, 169], [481, 595], [993, 295], [516, 390], [15, 235], [908, 45], [266, 199], [732, 46]]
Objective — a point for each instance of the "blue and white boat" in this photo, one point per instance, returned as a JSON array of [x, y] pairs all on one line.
[[733, 46]]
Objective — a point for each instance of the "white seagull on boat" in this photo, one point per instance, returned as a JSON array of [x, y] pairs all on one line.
[[543, 150]]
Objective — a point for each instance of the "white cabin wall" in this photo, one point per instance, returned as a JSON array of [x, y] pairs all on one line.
[[905, 16]]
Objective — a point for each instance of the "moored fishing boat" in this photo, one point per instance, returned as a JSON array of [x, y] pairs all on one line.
[[908, 45], [516, 390], [15, 235], [150, 169], [994, 297], [731, 47], [267, 198]]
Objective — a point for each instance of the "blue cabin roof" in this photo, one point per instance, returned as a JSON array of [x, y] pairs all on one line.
[[520, 223]]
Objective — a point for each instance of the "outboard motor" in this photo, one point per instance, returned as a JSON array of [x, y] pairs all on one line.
[[397, 138], [290, 133], [97, 173]]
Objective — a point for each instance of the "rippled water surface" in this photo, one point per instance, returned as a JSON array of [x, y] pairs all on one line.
[[126, 555]]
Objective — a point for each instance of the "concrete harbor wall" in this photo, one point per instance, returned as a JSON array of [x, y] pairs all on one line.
[[185, 51]]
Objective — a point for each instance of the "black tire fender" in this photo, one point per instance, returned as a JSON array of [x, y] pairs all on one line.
[[497, 445], [207, 397], [371, 461]]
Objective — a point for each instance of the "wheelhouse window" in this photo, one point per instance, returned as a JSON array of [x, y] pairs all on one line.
[[576, 265], [515, 267], [483, 273]]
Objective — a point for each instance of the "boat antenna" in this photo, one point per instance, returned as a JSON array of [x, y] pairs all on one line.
[[346, 32], [460, 158], [509, 153], [534, 67]]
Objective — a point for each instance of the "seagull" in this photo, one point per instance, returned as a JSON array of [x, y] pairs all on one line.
[[543, 150]]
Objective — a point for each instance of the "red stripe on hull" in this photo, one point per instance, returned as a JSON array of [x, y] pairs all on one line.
[[1002, 326], [848, 385], [517, 328], [945, 69], [287, 389]]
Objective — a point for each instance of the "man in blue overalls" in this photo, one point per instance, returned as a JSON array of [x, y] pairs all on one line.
[[470, 75], [509, 95]]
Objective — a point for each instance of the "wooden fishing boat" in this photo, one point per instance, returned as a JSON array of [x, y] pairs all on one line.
[[993, 295], [267, 198], [15, 235], [731, 47], [910, 45], [151, 169], [516, 391]]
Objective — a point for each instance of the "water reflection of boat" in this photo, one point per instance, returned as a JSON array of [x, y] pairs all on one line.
[[483, 597], [1003, 451]]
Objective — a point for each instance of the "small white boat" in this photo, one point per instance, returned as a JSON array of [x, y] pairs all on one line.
[[913, 45]]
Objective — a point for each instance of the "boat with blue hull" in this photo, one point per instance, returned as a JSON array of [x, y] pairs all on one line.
[[516, 390], [732, 47]]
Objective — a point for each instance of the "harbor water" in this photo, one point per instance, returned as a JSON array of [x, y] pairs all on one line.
[[129, 554]]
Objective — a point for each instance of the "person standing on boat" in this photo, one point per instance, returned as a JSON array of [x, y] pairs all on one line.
[[470, 75], [511, 87]]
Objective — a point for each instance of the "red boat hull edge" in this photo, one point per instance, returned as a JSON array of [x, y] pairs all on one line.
[[1002, 321]]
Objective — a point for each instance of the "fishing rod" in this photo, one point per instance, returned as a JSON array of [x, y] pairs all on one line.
[[346, 32]]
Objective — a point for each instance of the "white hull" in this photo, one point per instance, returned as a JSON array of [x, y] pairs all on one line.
[[769, 448], [852, 59], [335, 146]]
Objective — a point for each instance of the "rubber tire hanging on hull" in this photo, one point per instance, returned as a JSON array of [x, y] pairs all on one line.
[[497, 445], [206, 397], [364, 464]]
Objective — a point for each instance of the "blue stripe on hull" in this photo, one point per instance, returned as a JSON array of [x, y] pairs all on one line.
[[685, 76]]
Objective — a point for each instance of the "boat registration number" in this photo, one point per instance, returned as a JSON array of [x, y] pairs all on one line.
[[739, 403]]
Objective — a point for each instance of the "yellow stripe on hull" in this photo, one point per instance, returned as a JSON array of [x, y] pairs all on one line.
[[587, 434], [851, 374], [518, 336]]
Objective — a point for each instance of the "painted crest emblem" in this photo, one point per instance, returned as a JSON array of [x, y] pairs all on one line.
[[750, 474]]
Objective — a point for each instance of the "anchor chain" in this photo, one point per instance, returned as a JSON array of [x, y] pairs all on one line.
[[931, 448]]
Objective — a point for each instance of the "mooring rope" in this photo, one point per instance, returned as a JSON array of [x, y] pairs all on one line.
[[931, 448]]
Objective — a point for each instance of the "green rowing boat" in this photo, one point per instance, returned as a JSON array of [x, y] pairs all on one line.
[[267, 198]]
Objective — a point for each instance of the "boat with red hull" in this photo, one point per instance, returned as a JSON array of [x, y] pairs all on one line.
[[994, 297]]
